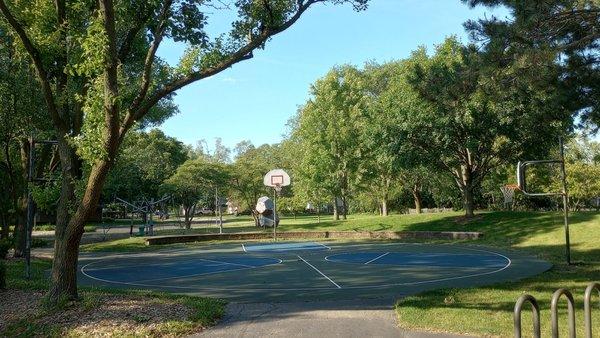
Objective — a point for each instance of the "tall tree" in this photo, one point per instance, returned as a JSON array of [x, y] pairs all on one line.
[[566, 30], [329, 137], [99, 74], [473, 121], [195, 181]]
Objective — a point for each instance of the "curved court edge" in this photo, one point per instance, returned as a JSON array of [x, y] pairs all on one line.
[[308, 271]]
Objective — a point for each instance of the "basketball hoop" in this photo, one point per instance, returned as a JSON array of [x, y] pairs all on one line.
[[509, 192], [276, 179]]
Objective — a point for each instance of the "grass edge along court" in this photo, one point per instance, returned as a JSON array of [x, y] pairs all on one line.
[[488, 310]]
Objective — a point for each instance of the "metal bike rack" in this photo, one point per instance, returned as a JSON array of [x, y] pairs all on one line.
[[535, 309], [587, 307], [587, 304], [554, 312]]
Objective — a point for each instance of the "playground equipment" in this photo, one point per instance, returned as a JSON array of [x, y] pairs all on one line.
[[147, 209]]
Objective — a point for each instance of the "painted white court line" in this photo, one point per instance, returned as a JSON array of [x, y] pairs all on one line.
[[238, 288], [376, 258], [192, 275], [319, 271], [328, 248], [117, 266], [85, 269], [228, 263]]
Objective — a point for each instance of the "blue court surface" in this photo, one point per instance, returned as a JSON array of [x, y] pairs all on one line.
[[442, 260], [292, 271]]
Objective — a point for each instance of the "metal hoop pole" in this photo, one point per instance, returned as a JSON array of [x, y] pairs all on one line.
[[554, 312], [587, 306], [274, 213], [535, 309], [565, 198]]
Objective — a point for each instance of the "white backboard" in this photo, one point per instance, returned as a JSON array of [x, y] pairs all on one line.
[[277, 177]]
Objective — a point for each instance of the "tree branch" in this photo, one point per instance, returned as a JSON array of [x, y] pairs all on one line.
[[42, 75], [243, 53], [111, 87], [148, 62]]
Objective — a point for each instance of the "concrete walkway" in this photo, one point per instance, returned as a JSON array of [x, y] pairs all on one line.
[[312, 320]]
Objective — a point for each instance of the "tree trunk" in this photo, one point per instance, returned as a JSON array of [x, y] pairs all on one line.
[[318, 214], [384, 207], [344, 208], [465, 184], [255, 217], [418, 199], [336, 214], [20, 233], [468, 202], [69, 228]]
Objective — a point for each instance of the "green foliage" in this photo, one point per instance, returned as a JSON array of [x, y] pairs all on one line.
[[561, 30], [196, 181], [471, 124], [5, 245], [247, 172], [46, 195], [147, 159], [39, 243], [328, 136]]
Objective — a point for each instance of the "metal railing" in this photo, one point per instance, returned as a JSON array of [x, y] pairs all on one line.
[[535, 308]]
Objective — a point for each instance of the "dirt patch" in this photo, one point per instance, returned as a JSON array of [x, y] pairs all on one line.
[[16, 304], [98, 315]]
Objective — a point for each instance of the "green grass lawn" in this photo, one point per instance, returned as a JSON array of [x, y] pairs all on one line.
[[487, 311]]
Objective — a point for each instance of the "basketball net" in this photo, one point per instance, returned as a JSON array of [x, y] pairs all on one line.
[[277, 188], [509, 193]]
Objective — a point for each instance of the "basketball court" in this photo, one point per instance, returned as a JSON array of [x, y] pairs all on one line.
[[290, 271]]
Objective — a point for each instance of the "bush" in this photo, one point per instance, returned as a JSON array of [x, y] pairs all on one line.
[[5, 245], [2, 276], [89, 228], [39, 243], [44, 227]]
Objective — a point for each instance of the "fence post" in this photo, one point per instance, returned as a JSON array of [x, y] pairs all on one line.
[[587, 306], [535, 309], [554, 312]]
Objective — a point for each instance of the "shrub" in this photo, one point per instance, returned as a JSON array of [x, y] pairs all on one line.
[[44, 227], [5, 245], [39, 242]]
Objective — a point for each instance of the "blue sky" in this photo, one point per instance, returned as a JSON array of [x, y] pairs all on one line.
[[254, 99]]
